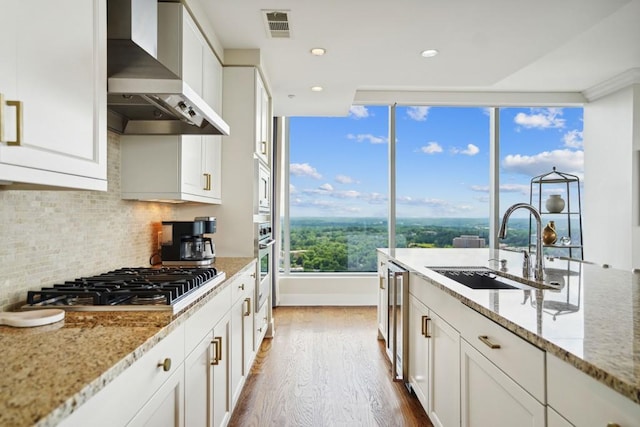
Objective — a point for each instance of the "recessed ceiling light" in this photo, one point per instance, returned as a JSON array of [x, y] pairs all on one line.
[[318, 51], [316, 88], [429, 53]]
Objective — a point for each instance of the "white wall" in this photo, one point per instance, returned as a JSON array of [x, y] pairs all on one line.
[[611, 215], [340, 290]]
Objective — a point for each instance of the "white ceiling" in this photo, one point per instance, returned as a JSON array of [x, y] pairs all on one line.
[[491, 45]]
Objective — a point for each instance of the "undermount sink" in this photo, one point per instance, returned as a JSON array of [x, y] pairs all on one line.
[[479, 278]]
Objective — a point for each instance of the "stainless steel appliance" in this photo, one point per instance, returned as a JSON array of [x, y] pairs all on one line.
[[183, 242], [145, 97], [398, 312], [129, 289], [265, 263]]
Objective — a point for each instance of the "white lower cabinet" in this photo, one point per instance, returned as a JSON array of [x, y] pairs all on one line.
[[135, 396], [242, 344], [383, 298], [166, 406], [490, 398], [434, 368], [444, 372], [194, 375], [583, 401], [261, 323]]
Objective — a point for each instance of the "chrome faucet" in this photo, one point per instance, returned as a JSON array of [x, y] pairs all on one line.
[[538, 273]]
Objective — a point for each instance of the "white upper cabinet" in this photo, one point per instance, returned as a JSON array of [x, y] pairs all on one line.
[[53, 82], [188, 55], [171, 168], [263, 121]]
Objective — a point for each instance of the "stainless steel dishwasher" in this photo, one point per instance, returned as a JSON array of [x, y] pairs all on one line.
[[398, 282]]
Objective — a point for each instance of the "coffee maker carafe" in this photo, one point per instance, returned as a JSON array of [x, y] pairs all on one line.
[[183, 243]]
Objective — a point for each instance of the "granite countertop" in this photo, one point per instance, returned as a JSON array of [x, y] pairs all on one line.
[[49, 370], [591, 322]]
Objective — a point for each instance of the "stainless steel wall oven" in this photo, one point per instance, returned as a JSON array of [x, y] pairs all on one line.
[[265, 263]]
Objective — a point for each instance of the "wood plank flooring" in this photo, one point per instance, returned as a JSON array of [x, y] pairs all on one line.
[[325, 367]]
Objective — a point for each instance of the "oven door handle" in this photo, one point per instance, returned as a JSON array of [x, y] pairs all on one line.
[[266, 245]]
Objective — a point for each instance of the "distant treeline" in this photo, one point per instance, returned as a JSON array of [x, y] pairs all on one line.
[[349, 244]]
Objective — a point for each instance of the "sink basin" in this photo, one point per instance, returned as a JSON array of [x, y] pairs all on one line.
[[479, 278]]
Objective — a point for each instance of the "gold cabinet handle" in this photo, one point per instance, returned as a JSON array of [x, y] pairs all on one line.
[[382, 283], [165, 364], [253, 275], [241, 287], [247, 301], [263, 147], [217, 352], [485, 339], [425, 326], [19, 108], [613, 425], [207, 181]]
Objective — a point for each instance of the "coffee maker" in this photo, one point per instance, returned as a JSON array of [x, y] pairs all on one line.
[[184, 244]]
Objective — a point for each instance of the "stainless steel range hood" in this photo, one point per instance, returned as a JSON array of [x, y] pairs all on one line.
[[143, 96]]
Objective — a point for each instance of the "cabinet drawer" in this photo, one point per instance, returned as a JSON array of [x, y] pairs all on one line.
[[437, 300], [584, 401], [122, 398], [523, 362], [241, 287], [200, 324]]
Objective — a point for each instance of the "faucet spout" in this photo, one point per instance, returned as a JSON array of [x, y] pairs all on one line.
[[539, 269]]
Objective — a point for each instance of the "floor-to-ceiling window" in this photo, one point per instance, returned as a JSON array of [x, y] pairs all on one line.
[[338, 210], [338, 190]]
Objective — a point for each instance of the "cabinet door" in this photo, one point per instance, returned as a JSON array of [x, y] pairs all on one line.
[[237, 343], [444, 372], [198, 385], [212, 167], [491, 398], [193, 179], [556, 420], [211, 79], [62, 91], [260, 325], [383, 297], [192, 47], [248, 343], [220, 399], [166, 407], [263, 125], [419, 340]]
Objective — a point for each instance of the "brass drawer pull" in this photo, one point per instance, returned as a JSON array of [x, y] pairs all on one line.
[[613, 425], [263, 147], [19, 108], [207, 181], [241, 287], [247, 301], [217, 353], [165, 364], [485, 339], [425, 326]]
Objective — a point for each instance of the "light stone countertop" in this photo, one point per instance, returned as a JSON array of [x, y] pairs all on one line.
[[47, 371], [592, 322]]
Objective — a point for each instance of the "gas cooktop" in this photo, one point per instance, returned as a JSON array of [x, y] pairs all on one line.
[[165, 289]]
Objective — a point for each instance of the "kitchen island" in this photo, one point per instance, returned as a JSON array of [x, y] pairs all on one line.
[[50, 371], [590, 319]]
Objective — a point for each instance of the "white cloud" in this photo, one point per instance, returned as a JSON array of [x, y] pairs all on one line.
[[541, 118], [573, 139], [418, 114], [358, 112], [304, 169], [344, 179], [368, 137], [431, 148], [326, 187], [471, 150], [564, 160], [292, 189]]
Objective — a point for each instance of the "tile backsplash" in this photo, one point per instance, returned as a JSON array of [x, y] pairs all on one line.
[[51, 236]]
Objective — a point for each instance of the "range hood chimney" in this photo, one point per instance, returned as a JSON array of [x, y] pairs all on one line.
[[144, 97]]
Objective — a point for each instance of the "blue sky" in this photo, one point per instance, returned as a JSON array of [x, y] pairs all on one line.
[[338, 165]]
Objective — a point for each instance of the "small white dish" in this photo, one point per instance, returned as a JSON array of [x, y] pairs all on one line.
[[28, 319]]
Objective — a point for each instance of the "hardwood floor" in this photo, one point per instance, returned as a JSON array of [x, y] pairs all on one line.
[[325, 367]]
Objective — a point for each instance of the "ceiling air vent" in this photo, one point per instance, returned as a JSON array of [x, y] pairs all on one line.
[[277, 22]]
